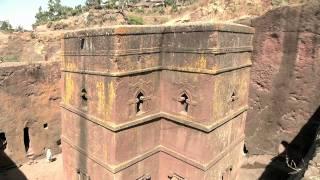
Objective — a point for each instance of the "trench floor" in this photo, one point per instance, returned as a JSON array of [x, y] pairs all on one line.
[[39, 170]]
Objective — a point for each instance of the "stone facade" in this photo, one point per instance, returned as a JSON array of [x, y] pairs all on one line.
[[155, 102], [30, 113]]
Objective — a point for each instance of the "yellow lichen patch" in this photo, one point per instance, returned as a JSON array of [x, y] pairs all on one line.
[[70, 66], [195, 65], [101, 97], [69, 88], [201, 63], [111, 97]]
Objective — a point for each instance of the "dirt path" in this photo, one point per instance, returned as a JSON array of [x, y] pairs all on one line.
[[41, 170]]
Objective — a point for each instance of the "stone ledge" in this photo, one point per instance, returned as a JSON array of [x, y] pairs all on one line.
[[160, 29], [24, 64], [155, 117], [117, 168], [158, 68], [158, 50]]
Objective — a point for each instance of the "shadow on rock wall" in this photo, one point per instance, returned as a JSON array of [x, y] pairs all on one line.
[[284, 89], [294, 155], [6, 165], [285, 78], [30, 113]]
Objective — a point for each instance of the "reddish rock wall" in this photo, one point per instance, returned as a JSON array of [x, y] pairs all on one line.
[[29, 46], [30, 97], [285, 79]]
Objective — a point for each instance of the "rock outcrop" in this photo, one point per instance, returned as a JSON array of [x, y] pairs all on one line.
[[29, 111], [285, 82]]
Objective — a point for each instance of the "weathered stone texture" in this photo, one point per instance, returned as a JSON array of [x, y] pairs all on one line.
[[190, 121], [30, 97], [29, 46], [285, 78]]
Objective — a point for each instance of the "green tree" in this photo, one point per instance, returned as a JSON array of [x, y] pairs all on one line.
[[42, 16], [6, 26], [77, 10], [55, 12], [93, 4]]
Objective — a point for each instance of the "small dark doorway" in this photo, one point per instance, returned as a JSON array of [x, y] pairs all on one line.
[[26, 138], [82, 43], [3, 141]]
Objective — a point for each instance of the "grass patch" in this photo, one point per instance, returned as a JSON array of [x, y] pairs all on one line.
[[135, 20], [9, 58], [276, 3]]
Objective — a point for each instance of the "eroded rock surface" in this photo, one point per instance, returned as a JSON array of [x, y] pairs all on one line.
[[29, 111], [285, 81]]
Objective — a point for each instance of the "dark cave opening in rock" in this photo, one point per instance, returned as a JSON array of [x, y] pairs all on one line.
[[26, 138], [3, 141]]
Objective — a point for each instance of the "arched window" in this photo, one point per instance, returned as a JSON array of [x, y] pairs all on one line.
[[185, 102], [84, 95], [233, 96], [139, 102]]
